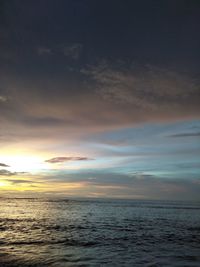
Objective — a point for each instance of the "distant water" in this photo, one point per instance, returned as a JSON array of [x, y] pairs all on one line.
[[58, 233]]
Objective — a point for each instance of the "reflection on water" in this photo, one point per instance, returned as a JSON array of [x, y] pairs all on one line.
[[35, 232]]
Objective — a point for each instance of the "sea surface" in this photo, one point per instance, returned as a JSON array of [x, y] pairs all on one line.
[[59, 233]]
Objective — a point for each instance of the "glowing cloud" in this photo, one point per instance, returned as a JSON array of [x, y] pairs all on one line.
[[65, 159]]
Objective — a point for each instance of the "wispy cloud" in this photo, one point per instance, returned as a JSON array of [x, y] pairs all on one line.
[[65, 159], [44, 51], [148, 87], [3, 99]]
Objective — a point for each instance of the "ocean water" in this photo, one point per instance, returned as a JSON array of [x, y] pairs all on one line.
[[41, 232]]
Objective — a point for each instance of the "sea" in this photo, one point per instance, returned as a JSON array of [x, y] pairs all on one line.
[[98, 232]]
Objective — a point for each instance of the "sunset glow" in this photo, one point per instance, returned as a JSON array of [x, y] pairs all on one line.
[[97, 102]]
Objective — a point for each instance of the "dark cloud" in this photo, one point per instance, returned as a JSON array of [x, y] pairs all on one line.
[[100, 98], [65, 159], [186, 135], [4, 165], [6, 173]]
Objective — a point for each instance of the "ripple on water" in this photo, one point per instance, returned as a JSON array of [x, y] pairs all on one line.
[[91, 233]]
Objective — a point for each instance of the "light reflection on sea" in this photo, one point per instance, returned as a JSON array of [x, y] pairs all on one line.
[[40, 232]]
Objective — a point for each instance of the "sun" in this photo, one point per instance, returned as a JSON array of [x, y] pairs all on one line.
[[23, 163]]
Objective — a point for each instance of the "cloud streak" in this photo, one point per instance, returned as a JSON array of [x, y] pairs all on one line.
[[9, 173]]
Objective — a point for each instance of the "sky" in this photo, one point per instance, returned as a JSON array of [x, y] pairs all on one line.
[[100, 99]]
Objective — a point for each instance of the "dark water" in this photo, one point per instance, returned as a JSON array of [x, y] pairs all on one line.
[[59, 233]]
